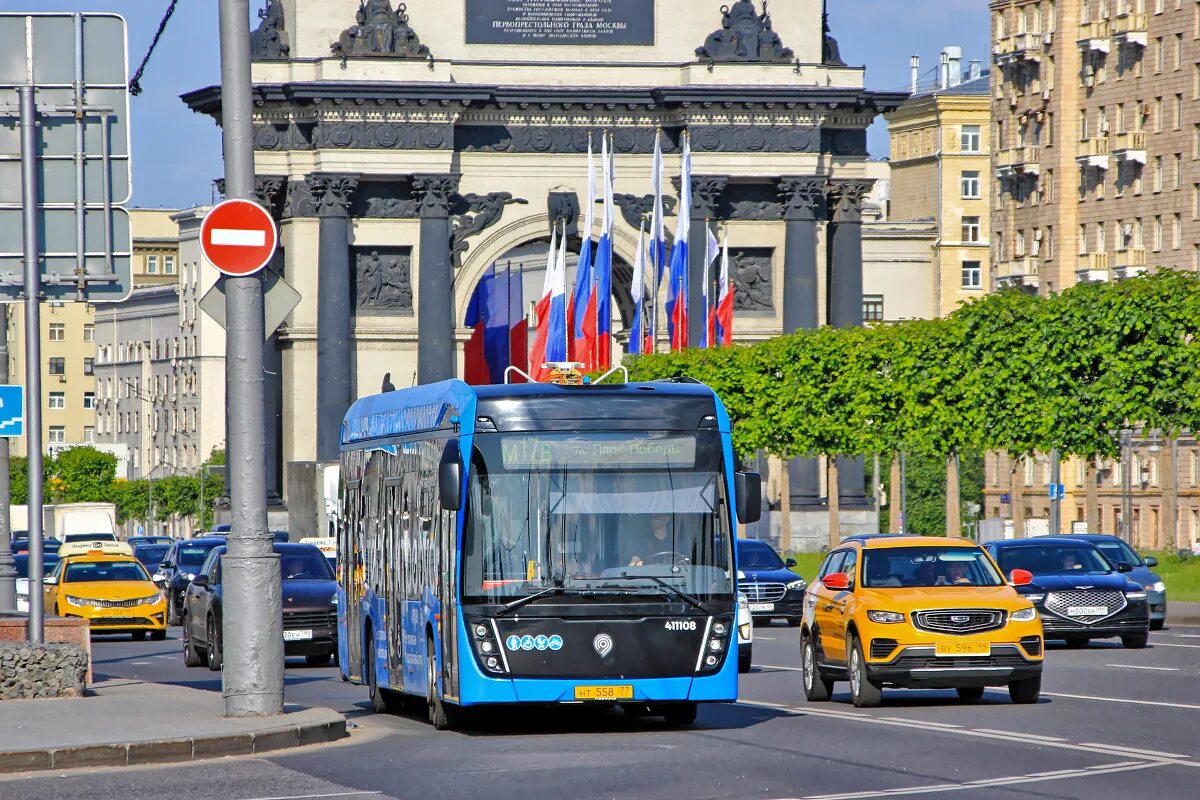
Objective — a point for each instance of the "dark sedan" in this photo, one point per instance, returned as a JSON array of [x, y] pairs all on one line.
[[151, 555], [181, 563], [1080, 595], [1118, 552], [771, 588], [309, 610]]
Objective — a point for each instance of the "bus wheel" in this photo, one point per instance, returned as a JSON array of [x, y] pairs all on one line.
[[680, 715], [441, 716]]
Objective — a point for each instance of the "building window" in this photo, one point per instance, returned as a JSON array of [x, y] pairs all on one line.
[[970, 185], [89, 366], [1158, 173], [58, 365], [89, 434], [89, 333], [1158, 234], [58, 332], [89, 400], [970, 229], [58, 400], [169, 265], [972, 275], [151, 265], [58, 434], [873, 308], [971, 140]]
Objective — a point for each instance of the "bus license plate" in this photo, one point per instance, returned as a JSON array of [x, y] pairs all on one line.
[[758, 608], [964, 648], [604, 692], [297, 636]]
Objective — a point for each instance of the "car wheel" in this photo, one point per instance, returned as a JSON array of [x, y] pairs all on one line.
[[442, 717], [191, 658], [863, 693], [213, 633], [1077, 642], [318, 660], [1136, 641], [173, 615], [1025, 692], [1157, 624], [816, 688], [138, 636], [970, 693], [679, 715], [383, 701], [158, 636]]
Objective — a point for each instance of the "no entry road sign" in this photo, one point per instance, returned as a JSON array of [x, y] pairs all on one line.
[[238, 237]]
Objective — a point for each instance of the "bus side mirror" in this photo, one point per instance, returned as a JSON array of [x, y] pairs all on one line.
[[747, 488], [450, 485]]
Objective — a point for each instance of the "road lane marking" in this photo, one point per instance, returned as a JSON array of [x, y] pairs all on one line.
[[1122, 700], [923, 722], [1022, 735], [318, 796], [1137, 751], [1173, 644], [772, 666], [1138, 666], [1180, 635]]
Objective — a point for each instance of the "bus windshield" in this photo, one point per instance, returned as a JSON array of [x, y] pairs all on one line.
[[596, 512]]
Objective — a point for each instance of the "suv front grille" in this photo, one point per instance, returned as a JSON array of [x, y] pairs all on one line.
[[763, 592], [882, 648], [959, 621], [301, 620], [1061, 603]]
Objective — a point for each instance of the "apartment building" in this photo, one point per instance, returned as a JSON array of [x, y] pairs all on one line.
[[1097, 133], [941, 168]]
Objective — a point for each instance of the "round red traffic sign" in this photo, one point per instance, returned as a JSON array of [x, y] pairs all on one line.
[[238, 237]]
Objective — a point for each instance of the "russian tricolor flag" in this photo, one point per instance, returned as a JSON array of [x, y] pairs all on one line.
[[581, 344], [550, 341], [604, 257], [723, 314], [496, 316], [677, 290]]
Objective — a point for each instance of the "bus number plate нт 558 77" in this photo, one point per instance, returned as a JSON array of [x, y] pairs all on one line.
[[604, 692]]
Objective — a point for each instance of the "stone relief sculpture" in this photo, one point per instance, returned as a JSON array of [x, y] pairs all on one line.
[[269, 41], [380, 31], [382, 281], [744, 35], [475, 214], [564, 207], [752, 280], [634, 208]]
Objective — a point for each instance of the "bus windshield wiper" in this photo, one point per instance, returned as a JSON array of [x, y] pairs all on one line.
[[529, 598], [682, 595]]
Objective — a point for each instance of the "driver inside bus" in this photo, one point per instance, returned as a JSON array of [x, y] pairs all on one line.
[[658, 542]]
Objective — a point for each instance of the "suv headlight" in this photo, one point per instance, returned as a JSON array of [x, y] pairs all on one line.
[[1157, 586], [885, 617], [1024, 615], [796, 586]]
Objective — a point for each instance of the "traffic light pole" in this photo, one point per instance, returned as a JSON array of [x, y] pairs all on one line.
[[252, 635]]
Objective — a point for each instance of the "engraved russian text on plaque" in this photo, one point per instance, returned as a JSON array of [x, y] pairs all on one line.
[[578, 22]]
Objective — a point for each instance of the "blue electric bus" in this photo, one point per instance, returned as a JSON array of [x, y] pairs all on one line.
[[541, 543]]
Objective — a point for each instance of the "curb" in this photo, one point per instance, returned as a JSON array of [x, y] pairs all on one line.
[[176, 750]]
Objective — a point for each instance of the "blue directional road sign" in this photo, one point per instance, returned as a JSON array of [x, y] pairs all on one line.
[[1058, 491], [12, 410]]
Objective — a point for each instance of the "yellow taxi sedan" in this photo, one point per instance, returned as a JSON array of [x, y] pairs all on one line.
[[112, 591]]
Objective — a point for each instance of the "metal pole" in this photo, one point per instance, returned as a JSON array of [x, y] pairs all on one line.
[[33, 354], [253, 622], [1055, 498], [1127, 485], [903, 493], [80, 259], [8, 572]]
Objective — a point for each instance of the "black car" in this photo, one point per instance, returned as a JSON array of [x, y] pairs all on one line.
[[137, 541], [181, 563], [771, 588], [1080, 595], [151, 555], [309, 608]]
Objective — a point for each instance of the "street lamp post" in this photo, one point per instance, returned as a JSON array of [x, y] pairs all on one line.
[[1055, 496], [1126, 531]]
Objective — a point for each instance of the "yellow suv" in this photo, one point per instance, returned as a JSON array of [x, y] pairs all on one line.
[[111, 590], [918, 612]]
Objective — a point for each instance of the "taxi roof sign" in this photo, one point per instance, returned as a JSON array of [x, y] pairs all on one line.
[[86, 547]]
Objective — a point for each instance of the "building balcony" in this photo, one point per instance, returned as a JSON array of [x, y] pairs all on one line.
[[1129, 147], [1093, 152], [1092, 268], [1129, 263], [1013, 161], [1020, 273], [1021, 47], [1095, 36], [1132, 27]]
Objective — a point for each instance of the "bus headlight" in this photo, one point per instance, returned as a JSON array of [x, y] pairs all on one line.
[[492, 663], [715, 645], [710, 661], [487, 649], [485, 646], [719, 629], [481, 631]]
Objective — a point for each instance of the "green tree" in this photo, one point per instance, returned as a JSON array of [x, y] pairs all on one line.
[[83, 475]]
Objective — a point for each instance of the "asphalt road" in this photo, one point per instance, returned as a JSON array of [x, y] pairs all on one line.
[[1112, 723]]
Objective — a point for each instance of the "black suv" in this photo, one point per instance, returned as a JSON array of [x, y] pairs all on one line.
[[182, 563]]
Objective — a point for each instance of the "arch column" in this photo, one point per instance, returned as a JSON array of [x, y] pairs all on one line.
[[436, 357], [706, 194]]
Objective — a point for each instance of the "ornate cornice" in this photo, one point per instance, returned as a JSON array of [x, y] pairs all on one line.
[[803, 197], [331, 193], [846, 198], [436, 193]]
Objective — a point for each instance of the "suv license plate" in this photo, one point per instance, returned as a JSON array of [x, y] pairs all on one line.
[[297, 636], [1087, 611], [963, 648], [604, 692], [758, 608]]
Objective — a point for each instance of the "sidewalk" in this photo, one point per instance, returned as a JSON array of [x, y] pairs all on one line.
[[1182, 613], [124, 722]]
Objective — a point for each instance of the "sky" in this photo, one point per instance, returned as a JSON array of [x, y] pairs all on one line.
[[177, 153]]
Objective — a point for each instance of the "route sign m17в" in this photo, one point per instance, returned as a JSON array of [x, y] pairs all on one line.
[[238, 237]]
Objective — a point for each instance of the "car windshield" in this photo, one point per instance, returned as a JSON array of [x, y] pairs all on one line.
[[89, 537], [1119, 553], [151, 554], [895, 567], [105, 571], [193, 555], [595, 512], [21, 562], [757, 555], [1054, 559], [299, 565]]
